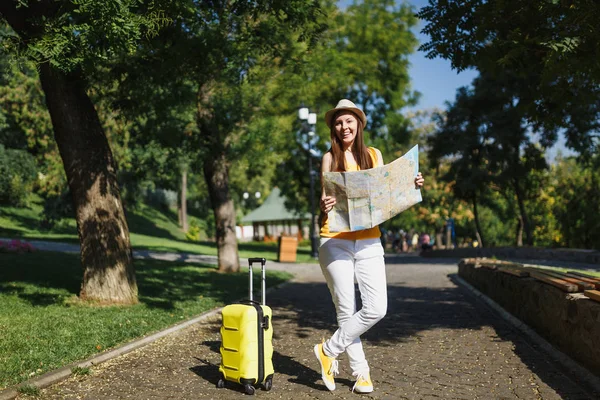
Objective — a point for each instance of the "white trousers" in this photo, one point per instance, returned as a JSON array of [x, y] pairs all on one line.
[[341, 262]]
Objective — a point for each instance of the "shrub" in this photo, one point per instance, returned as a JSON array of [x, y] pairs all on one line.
[[193, 233], [18, 172], [56, 208]]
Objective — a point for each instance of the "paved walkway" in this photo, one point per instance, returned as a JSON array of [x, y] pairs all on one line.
[[437, 342]]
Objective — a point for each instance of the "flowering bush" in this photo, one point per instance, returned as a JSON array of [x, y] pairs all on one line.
[[15, 246]]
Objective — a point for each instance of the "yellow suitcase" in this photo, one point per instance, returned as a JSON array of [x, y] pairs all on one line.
[[247, 341]]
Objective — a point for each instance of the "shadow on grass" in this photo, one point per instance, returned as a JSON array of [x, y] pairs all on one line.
[[25, 217], [46, 271], [146, 225], [145, 221], [31, 223], [13, 233], [161, 284]]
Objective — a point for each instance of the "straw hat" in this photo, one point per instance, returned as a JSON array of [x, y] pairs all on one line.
[[345, 104]]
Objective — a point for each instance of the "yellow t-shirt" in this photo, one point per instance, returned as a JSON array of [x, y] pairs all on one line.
[[371, 233]]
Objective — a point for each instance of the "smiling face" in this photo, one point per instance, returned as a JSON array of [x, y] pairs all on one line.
[[346, 128]]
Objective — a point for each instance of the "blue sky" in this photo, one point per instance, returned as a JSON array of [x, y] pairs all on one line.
[[434, 79]]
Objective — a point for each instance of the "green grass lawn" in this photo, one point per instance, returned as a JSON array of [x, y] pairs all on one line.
[[149, 228], [44, 327]]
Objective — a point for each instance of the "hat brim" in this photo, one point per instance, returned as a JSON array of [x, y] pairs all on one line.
[[359, 113]]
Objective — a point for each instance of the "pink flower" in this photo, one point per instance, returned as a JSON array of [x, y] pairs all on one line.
[[16, 245]]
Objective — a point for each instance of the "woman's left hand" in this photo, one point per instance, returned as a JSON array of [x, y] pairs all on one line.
[[419, 180]]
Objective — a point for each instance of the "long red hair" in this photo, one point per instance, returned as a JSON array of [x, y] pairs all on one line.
[[359, 149]]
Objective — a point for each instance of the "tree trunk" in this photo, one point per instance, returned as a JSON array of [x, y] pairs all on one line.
[[519, 235], [216, 174], [183, 191], [524, 219], [478, 232], [439, 240], [449, 244], [109, 276]]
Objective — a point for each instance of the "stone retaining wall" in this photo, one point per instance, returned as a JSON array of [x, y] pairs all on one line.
[[533, 253], [571, 322]]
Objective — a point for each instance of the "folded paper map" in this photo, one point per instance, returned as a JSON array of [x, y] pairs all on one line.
[[365, 199]]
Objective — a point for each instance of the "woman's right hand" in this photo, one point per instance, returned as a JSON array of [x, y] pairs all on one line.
[[327, 203]]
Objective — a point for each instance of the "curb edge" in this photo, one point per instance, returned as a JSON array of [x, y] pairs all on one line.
[[62, 373]]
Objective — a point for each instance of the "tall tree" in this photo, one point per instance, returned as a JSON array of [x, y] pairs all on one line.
[[65, 40], [229, 52], [460, 138], [439, 202], [552, 46], [363, 56], [489, 139]]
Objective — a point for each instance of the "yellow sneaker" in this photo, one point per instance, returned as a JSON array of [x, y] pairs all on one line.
[[329, 367], [363, 383]]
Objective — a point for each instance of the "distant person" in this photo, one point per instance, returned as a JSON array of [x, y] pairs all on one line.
[[383, 237], [346, 256], [415, 241], [408, 239], [425, 242], [405, 241], [397, 244]]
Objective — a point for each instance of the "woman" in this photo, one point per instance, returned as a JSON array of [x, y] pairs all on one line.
[[345, 256]]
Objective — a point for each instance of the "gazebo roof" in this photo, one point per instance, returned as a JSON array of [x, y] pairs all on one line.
[[273, 209]]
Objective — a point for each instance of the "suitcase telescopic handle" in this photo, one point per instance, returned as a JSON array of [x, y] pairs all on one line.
[[262, 262]]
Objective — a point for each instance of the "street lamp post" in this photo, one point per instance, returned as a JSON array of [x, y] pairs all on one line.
[[311, 119]]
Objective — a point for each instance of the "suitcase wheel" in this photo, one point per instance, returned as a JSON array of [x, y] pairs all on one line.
[[221, 382], [249, 389], [268, 385]]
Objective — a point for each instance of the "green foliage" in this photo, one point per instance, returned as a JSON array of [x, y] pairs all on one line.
[[27, 124], [551, 47], [498, 225], [57, 207], [199, 90], [439, 203], [193, 233], [17, 176], [487, 140], [26, 119], [573, 197], [362, 56], [83, 33]]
